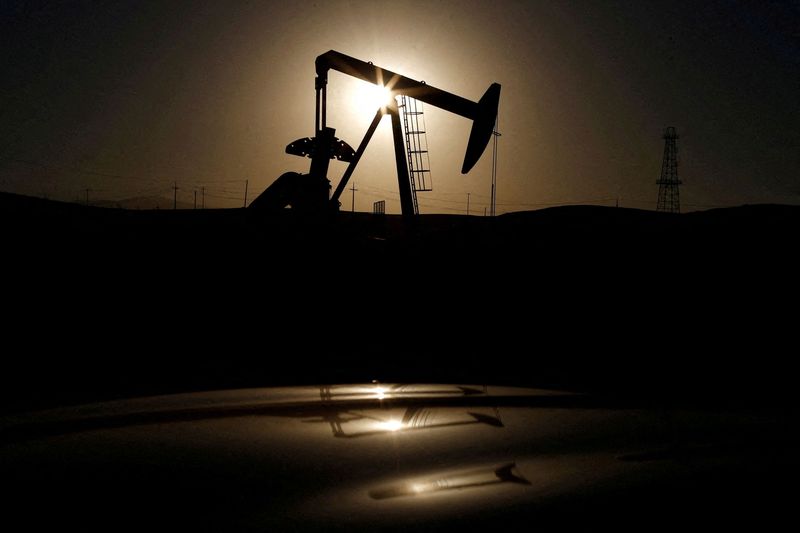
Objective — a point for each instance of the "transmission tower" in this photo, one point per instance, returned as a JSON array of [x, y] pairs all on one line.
[[669, 199]]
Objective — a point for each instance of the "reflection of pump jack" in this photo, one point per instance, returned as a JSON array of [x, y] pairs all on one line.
[[480, 478], [372, 422], [309, 192]]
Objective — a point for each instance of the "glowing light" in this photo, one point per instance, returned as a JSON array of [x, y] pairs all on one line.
[[380, 392], [390, 425], [417, 488], [480, 478], [381, 96], [369, 98]]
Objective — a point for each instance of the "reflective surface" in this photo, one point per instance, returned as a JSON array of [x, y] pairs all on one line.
[[391, 457]]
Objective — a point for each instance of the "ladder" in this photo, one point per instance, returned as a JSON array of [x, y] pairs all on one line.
[[419, 164]]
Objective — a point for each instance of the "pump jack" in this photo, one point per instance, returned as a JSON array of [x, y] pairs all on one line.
[[310, 192]]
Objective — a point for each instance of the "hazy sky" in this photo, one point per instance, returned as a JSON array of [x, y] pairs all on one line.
[[128, 97]]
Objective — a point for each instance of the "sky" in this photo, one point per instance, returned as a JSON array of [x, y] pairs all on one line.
[[128, 99]]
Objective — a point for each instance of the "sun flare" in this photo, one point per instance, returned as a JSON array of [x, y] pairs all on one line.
[[369, 98]]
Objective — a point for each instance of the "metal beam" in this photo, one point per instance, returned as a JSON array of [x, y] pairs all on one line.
[[483, 113], [397, 83], [359, 152], [403, 183]]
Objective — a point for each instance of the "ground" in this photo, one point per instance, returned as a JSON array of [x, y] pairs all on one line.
[[105, 303]]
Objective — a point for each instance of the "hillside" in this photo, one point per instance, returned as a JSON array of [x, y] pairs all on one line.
[[143, 202], [109, 302]]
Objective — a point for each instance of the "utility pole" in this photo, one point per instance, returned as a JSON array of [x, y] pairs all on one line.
[[353, 206], [246, 183], [495, 134], [175, 196], [468, 204], [87, 197], [195, 199], [204, 198]]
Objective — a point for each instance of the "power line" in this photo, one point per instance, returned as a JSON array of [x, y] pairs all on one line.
[[495, 135], [353, 206], [427, 200]]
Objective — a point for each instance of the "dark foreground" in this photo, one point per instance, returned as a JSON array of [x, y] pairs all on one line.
[[396, 458], [681, 329], [691, 309]]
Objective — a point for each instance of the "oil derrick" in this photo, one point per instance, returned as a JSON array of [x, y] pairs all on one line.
[[669, 200]]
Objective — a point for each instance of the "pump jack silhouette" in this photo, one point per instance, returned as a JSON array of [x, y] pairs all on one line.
[[311, 192]]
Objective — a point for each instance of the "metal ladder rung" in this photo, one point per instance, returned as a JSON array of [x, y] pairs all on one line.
[[413, 128]]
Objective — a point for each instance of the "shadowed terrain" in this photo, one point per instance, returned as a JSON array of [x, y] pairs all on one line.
[[105, 303]]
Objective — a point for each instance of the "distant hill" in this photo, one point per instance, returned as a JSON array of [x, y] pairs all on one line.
[[609, 299], [10, 202], [17, 204], [143, 202]]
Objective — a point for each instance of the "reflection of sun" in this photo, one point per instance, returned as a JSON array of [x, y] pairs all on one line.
[[369, 97], [389, 425], [417, 488]]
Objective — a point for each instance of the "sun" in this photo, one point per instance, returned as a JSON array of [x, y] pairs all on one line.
[[370, 97]]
